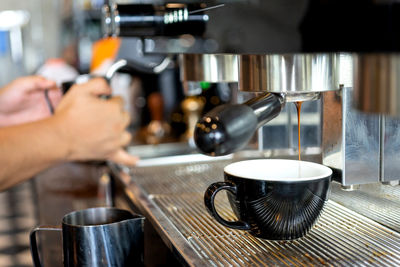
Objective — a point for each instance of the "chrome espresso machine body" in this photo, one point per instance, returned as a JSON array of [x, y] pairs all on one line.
[[278, 52]]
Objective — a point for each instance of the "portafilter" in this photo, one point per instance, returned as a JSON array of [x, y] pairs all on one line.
[[280, 79]]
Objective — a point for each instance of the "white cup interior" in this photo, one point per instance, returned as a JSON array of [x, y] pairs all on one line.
[[278, 170]]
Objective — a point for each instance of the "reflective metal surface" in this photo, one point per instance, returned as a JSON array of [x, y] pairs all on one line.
[[161, 150], [297, 75], [378, 202], [350, 140], [390, 148], [99, 237], [209, 68], [172, 197], [377, 83]]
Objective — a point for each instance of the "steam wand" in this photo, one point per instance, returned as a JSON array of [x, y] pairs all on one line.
[[206, 9], [120, 66]]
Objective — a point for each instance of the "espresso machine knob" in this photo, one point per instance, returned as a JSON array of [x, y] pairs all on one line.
[[228, 128]]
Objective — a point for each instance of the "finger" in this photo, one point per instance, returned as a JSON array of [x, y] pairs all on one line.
[[96, 87], [55, 96], [54, 90], [126, 119], [126, 138], [44, 84], [122, 157], [34, 83]]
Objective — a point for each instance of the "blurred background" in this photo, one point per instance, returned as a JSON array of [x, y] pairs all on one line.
[[36, 30]]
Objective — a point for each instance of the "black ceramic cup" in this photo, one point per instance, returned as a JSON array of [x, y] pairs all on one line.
[[273, 199]]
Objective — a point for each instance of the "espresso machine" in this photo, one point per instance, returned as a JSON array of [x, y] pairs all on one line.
[[276, 53]]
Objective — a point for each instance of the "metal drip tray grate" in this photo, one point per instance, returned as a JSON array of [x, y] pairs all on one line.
[[182, 178], [378, 202], [341, 237]]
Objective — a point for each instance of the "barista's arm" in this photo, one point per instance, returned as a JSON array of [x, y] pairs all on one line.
[[84, 127], [27, 149]]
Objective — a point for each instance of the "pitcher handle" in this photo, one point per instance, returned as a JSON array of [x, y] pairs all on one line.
[[34, 247], [209, 197]]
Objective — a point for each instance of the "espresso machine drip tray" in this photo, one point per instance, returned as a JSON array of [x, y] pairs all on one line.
[[171, 197], [340, 238]]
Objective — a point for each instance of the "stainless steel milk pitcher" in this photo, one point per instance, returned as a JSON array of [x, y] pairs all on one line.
[[98, 237]]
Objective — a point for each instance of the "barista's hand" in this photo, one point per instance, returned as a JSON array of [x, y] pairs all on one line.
[[93, 128], [23, 100]]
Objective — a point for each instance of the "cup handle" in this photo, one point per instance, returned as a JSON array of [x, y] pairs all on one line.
[[209, 197], [34, 247]]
